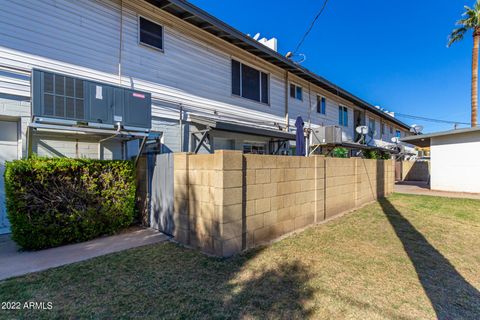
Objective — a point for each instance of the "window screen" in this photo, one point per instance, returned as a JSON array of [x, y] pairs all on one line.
[[151, 33], [63, 97], [250, 83]]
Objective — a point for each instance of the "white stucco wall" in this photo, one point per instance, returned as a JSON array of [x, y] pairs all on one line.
[[456, 162]]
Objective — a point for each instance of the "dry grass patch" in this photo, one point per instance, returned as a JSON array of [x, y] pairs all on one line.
[[408, 257]]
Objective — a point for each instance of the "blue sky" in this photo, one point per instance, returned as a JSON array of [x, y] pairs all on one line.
[[390, 53]]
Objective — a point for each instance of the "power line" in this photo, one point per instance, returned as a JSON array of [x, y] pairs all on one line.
[[431, 119], [311, 26]]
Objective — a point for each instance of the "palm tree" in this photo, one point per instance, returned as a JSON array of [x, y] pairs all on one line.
[[470, 21]]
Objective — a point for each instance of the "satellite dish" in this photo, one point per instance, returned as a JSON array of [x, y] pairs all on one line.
[[395, 140], [362, 130], [416, 129], [255, 37]]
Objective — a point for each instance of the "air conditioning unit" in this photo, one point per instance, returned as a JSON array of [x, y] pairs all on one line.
[[67, 99], [333, 135], [326, 135], [317, 137]]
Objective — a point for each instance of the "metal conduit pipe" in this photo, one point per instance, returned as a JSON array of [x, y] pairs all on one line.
[[100, 154]]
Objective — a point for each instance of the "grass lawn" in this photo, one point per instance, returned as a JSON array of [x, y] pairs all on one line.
[[407, 257]]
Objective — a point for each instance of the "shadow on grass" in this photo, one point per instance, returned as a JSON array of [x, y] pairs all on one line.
[[451, 296], [281, 292], [167, 282]]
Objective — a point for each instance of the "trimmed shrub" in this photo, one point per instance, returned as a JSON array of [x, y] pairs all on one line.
[[51, 202]]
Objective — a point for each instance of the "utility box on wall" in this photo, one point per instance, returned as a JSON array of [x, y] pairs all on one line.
[[68, 98]]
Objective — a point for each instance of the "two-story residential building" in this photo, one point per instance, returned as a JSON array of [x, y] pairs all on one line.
[[211, 86]]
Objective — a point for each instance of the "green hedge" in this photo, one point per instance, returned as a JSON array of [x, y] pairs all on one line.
[[51, 202]]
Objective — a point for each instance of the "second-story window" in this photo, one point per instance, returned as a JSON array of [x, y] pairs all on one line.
[[382, 129], [296, 92], [398, 134], [343, 116], [150, 33], [391, 130], [321, 105], [371, 127], [249, 83]]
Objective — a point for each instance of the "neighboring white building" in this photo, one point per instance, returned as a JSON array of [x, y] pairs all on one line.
[[454, 155], [201, 74]]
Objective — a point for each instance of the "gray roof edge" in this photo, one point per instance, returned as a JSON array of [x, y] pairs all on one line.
[[187, 6], [439, 134]]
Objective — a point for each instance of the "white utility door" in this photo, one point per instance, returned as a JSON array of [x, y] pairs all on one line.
[[8, 152]]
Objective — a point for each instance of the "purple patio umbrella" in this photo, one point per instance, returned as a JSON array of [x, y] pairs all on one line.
[[300, 141]]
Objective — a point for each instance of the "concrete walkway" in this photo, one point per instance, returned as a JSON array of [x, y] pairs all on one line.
[[422, 188], [15, 263]]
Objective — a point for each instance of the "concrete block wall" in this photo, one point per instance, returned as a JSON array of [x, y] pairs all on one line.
[[340, 185], [208, 201], [415, 170], [228, 202], [280, 196]]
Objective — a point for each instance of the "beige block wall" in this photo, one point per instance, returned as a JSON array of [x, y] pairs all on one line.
[[280, 195], [228, 202], [415, 171], [340, 185]]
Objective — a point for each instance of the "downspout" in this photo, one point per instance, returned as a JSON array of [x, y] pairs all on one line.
[[287, 119], [121, 44], [180, 121]]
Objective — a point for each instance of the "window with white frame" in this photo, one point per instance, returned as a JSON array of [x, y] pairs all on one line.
[[321, 105], [150, 33], [249, 83], [296, 92], [382, 129], [391, 129], [343, 116]]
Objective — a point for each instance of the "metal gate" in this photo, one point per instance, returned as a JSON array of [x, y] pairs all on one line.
[[160, 174]]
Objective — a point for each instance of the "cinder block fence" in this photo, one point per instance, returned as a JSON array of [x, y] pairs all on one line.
[[227, 202]]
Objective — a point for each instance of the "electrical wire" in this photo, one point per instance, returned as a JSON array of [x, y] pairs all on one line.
[[430, 119], [311, 26]]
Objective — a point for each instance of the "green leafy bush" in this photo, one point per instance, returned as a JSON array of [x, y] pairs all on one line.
[[376, 155], [51, 202], [339, 152]]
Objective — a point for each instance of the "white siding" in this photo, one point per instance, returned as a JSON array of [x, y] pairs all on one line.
[[82, 38], [455, 165]]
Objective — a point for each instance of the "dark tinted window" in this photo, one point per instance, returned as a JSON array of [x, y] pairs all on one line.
[[292, 90], [265, 87], [250, 83], [296, 92], [236, 78], [151, 33]]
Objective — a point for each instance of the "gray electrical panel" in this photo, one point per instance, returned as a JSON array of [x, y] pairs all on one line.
[[69, 98]]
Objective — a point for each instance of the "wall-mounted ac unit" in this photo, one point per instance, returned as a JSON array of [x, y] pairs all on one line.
[[90, 103], [326, 135]]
